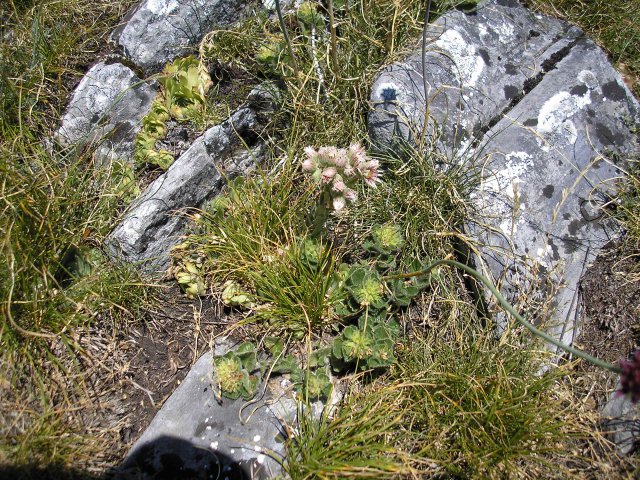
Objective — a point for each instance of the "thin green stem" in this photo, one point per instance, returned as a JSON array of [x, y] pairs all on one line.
[[507, 306], [294, 62], [334, 41]]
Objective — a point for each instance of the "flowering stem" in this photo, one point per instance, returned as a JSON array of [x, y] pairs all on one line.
[[334, 43], [294, 62], [507, 306]]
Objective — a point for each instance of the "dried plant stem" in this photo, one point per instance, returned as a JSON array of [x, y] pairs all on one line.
[[425, 29]]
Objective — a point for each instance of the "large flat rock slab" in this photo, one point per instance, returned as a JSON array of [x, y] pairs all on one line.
[[158, 31], [541, 117], [105, 110], [551, 165], [476, 67], [199, 435], [153, 224]]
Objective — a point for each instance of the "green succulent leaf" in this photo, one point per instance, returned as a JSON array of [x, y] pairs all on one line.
[[229, 374], [317, 357], [274, 345], [311, 251], [286, 364], [312, 385], [249, 386], [234, 296], [366, 287]]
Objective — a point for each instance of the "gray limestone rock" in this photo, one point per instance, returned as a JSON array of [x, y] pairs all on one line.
[[158, 31], [476, 66], [541, 117], [206, 433], [548, 168], [105, 109], [153, 223], [622, 422]]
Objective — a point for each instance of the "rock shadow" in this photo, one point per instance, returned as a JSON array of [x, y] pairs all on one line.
[[166, 458]]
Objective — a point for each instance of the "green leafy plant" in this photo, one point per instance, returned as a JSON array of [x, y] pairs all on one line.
[[235, 296], [235, 372], [385, 239], [184, 85], [366, 288], [369, 345], [311, 251], [312, 384], [190, 278], [272, 54]]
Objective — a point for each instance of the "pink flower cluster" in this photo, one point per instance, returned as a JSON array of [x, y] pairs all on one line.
[[630, 377], [340, 169]]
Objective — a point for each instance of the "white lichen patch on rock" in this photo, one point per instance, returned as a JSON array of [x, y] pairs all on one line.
[[588, 79], [506, 32], [503, 184], [160, 7], [469, 64], [554, 119], [505, 180]]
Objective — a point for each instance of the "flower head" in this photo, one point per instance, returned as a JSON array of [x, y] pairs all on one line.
[[630, 377], [350, 195], [371, 174], [341, 159], [338, 203], [328, 155], [328, 174], [356, 151], [308, 165], [310, 152], [338, 184]]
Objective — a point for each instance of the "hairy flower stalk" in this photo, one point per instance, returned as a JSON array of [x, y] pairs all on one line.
[[339, 170], [629, 370]]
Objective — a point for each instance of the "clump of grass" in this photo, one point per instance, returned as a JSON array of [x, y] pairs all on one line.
[[54, 211], [55, 208], [627, 208], [255, 235], [356, 442], [479, 406], [45, 47]]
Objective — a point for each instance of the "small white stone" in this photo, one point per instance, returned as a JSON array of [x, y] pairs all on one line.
[[260, 459], [256, 438], [214, 445]]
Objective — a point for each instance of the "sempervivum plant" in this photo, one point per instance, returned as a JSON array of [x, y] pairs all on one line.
[[366, 288], [370, 344], [234, 372], [340, 170], [386, 238]]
